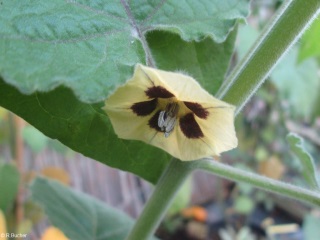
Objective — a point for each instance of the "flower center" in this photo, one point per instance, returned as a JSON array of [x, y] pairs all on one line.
[[168, 117]]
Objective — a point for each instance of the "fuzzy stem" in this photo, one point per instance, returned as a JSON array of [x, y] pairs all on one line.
[[264, 183], [287, 25], [161, 198]]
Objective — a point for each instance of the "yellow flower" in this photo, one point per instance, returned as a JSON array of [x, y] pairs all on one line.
[[172, 112]]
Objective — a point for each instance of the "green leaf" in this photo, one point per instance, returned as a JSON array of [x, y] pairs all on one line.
[[91, 46], [206, 61], [78, 215], [194, 20], [9, 184], [243, 205], [310, 46], [34, 138], [84, 128], [298, 83], [309, 170]]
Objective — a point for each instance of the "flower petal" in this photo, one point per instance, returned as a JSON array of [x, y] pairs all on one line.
[[127, 125], [197, 109], [133, 91], [144, 108], [183, 87], [185, 149], [219, 129], [189, 127]]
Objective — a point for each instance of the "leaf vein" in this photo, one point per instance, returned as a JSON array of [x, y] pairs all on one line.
[[156, 9], [73, 2], [65, 41]]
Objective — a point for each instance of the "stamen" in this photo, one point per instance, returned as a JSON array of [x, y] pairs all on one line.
[[161, 120], [167, 118]]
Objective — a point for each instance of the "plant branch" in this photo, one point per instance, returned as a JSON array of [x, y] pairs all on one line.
[[168, 185], [264, 183], [288, 24]]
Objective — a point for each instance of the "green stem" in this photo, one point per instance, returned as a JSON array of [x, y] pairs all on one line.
[[265, 183], [163, 194], [288, 24]]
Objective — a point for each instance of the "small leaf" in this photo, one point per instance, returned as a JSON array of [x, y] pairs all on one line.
[[9, 183], [261, 154], [309, 170], [310, 46], [243, 205], [78, 215], [56, 173], [53, 233], [35, 139]]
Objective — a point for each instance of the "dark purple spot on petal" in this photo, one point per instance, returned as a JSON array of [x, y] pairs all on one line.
[[144, 108], [197, 109], [189, 127], [153, 122], [158, 92]]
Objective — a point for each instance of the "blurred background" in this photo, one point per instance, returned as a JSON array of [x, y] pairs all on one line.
[[207, 207]]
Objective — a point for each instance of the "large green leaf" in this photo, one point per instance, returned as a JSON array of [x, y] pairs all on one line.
[[309, 170], [9, 183], [78, 215], [92, 45]]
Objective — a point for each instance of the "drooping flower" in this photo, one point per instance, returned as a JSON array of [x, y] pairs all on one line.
[[173, 112]]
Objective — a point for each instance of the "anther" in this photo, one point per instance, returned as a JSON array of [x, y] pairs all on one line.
[[167, 118]]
